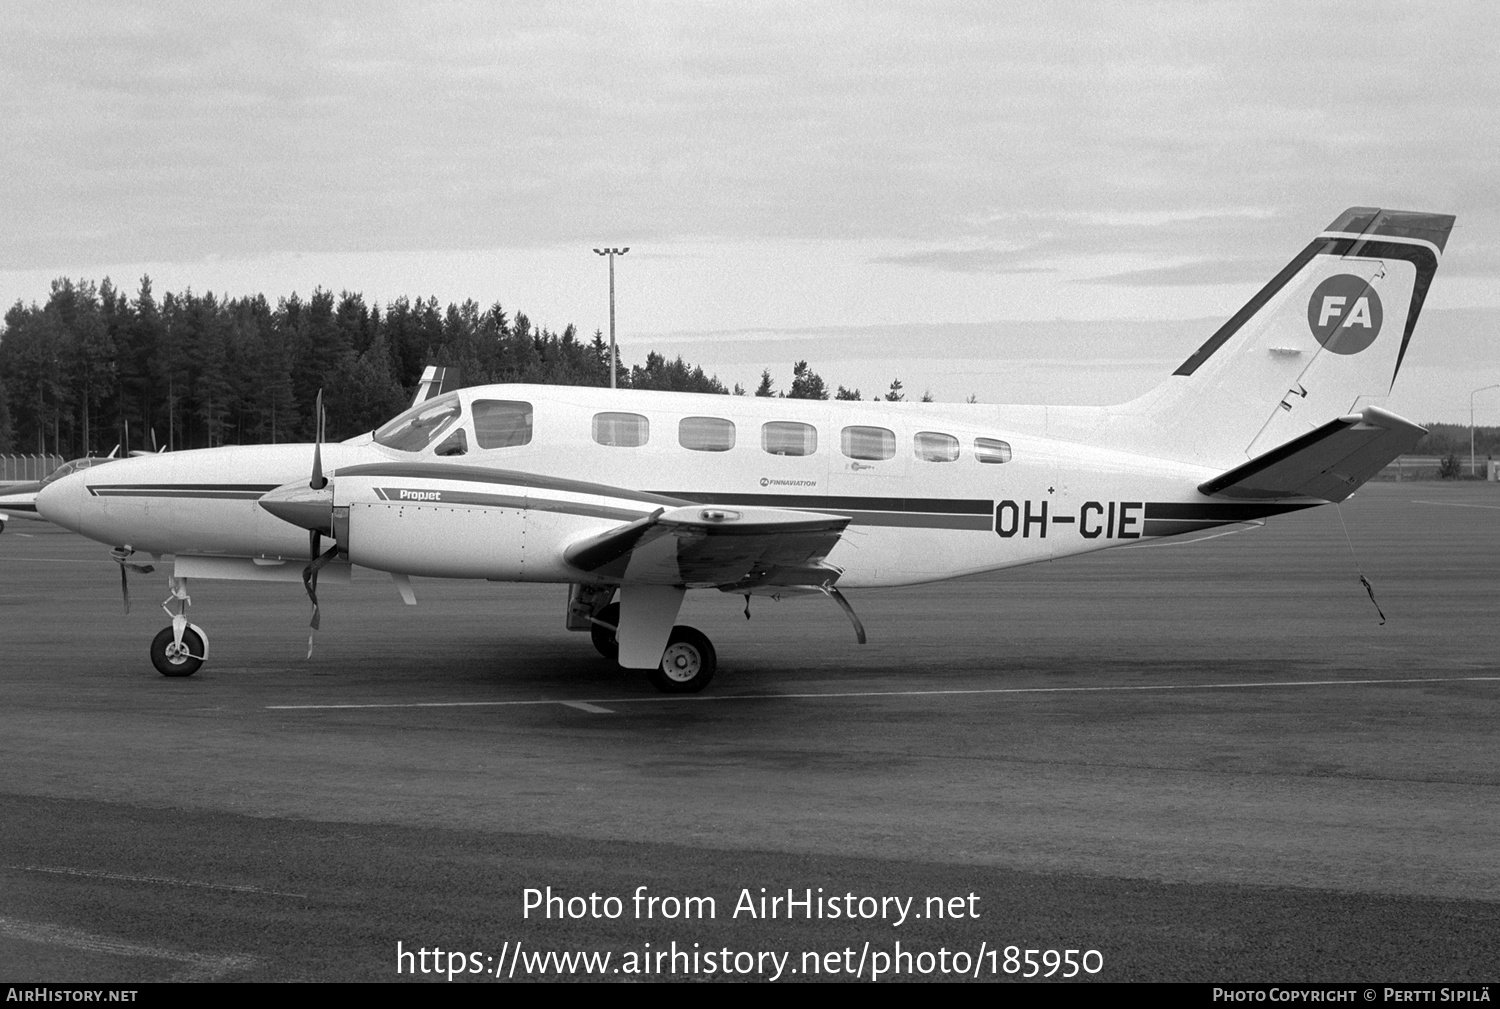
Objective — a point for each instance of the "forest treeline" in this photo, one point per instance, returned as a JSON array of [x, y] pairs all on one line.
[[189, 370], [95, 367]]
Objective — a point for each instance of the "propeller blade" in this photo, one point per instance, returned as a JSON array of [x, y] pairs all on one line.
[[318, 481], [310, 578], [121, 557]]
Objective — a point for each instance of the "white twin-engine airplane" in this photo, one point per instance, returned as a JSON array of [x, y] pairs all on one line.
[[633, 498]]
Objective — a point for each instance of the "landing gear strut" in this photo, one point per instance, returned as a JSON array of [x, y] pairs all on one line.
[[179, 650], [602, 632]]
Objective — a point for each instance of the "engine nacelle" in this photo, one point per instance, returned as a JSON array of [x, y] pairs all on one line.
[[435, 540]]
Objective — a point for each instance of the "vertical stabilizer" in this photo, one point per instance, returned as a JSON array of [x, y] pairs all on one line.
[[434, 382], [1331, 329]]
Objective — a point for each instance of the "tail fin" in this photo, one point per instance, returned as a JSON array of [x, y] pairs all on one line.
[[1328, 331], [434, 382]]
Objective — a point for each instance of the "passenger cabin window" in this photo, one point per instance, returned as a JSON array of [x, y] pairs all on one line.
[[706, 434], [500, 423], [787, 437], [868, 443], [933, 446], [991, 450], [622, 430], [420, 426]]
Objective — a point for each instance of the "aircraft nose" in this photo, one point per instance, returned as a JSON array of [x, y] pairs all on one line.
[[61, 502]]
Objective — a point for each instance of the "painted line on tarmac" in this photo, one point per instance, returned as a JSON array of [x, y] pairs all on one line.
[[593, 709], [201, 967], [888, 693], [1455, 504], [128, 878]]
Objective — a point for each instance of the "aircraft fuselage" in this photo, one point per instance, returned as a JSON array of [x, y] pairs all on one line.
[[932, 491]]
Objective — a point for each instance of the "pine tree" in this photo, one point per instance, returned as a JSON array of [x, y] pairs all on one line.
[[806, 383]]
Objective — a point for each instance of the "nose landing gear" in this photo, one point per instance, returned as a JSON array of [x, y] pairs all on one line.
[[181, 649]]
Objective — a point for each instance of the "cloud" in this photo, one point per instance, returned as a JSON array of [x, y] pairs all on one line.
[[175, 131], [1198, 272], [972, 260]]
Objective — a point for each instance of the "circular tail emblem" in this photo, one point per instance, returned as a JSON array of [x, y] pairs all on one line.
[[1345, 314]]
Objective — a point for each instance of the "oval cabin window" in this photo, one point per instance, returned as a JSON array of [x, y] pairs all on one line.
[[787, 437], [991, 450], [706, 434], [868, 443], [621, 430], [934, 446]]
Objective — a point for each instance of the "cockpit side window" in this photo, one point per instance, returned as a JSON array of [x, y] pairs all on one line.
[[456, 443], [420, 426], [501, 423]]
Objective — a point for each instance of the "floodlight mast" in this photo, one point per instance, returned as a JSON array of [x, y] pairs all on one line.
[[612, 253], [1472, 470]]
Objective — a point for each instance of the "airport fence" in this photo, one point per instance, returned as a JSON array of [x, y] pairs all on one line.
[[25, 468]]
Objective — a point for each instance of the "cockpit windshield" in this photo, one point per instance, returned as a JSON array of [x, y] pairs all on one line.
[[73, 466], [420, 426]]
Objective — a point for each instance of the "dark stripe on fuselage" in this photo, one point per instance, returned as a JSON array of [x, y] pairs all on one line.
[[217, 491], [925, 513], [514, 478], [1214, 511], [1171, 518], [844, 505], [515, 501]]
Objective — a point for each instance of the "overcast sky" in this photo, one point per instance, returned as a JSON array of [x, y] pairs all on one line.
[[1049, 202]]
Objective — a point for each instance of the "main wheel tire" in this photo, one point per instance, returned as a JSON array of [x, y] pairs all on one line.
[[171, 662], [688, 663], [604, 637]]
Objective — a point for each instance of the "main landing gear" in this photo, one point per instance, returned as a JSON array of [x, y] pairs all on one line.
[[182, 648], [687, 664]]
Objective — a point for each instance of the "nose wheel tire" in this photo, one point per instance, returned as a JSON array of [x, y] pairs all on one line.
[[687, 665], [170, 659], [604, 637]]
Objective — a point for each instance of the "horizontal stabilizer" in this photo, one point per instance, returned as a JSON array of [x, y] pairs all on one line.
[[707, 545], [1329, 463]]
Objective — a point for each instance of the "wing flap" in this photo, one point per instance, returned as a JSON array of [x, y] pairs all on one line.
[[1328, 463], [712, 546]]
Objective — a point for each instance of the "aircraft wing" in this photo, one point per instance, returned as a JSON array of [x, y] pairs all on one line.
[[20, 500], [1329, 463], [709, 546]]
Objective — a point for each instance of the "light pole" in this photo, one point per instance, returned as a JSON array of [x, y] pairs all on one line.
[[1472, 470], [612, 253]]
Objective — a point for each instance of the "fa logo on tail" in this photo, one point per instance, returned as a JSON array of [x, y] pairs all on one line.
[[1344, 314]]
